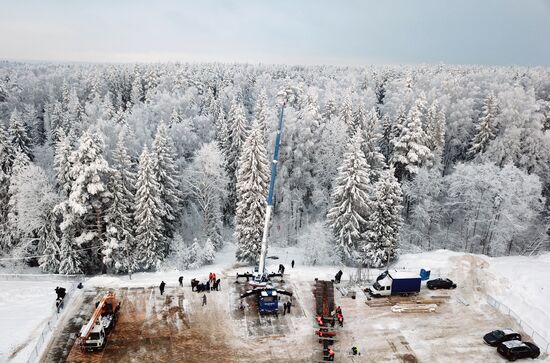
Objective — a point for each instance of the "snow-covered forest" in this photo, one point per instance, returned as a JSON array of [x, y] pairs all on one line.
[[120, 168]]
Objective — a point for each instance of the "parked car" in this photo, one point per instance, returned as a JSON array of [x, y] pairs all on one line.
[[515, 349], [496, 337], [441, 284]]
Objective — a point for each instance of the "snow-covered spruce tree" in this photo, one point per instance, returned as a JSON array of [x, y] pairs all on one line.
[[369, 126], [262, 112], [237, 134], [63, 163], [386, 137], [88, 197], [11, 234], [409, 149], [346, 114], [148, 214], [71, 256], [194, 255], [50, 261], [252, 180], [6, 151], [72, 117], [119, 247], [137, 94], [435, 130], [485, 129], [35, 124], [109, 111], [168, 178], [208, 252], [350, 201], [20, 141], [383, 222], [6, 162], [330, 110], [175, 117]]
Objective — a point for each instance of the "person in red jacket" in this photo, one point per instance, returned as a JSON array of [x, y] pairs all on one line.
[[330, 353]]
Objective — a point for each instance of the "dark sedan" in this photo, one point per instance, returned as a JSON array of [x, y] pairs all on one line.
[[514, 349], [441, 284], [496, 337]]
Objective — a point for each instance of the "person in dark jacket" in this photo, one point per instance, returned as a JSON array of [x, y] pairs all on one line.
[[338, 276], [292, 264], [180, 280], [203, 299], [288, 305], [161, 287]]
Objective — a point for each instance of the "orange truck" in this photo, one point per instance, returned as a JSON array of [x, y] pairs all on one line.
[[93, 335]]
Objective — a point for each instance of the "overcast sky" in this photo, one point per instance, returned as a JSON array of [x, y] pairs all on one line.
[[278, 31]]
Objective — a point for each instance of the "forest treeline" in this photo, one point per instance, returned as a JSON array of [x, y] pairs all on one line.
[[140, 166]]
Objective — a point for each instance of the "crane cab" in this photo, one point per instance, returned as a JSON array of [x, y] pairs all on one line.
[[269, 302]]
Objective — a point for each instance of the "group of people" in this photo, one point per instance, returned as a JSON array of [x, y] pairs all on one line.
[[213, 283]]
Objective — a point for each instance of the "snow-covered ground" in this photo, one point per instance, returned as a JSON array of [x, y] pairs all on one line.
[[519, 282], [25, 308]]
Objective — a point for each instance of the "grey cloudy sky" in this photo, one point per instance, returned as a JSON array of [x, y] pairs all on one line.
[[279, 31]]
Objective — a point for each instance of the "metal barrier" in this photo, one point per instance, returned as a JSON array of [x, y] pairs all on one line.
[[543, 344], [47, 332], [40, 277]]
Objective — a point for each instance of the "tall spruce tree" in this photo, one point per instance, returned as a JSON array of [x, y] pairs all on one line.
[[435, 130], [409, 148], [485, 129], [148, 214], [369, 126], [19, 138], [63, 163], [88, 197], [252, 180], [119, 246], [350, 201], [383, 222], [167, 176], [237, 134]]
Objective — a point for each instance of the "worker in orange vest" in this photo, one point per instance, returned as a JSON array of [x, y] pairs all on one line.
[[319, 320], [330, 354], [340, 320]]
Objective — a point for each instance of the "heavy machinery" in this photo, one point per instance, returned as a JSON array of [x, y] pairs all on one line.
[[93, 335], [268, 296]]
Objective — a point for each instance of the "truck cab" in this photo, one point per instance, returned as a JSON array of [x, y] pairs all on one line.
[[96, 339]]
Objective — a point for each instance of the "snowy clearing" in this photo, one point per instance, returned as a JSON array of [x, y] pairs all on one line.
[[380, 334]]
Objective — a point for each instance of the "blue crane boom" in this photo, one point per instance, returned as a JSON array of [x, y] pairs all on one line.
[[261, 267]]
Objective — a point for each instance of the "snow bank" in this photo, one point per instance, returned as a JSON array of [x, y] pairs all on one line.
[[26, 306], [523, 284]]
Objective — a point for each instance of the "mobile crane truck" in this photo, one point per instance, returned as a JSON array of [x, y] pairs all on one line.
[[93, 335]]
